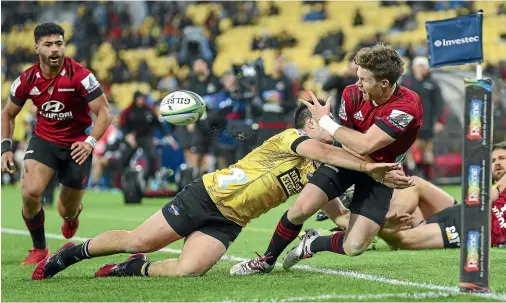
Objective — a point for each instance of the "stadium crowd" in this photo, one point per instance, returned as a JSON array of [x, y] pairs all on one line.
[[247, 102]]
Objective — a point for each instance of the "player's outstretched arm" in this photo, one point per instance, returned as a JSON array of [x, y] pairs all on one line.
[[363, 144], [388, 173], [9, 114], [100, 107]]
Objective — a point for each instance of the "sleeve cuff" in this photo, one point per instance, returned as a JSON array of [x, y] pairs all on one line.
[[18, 102], [296, 143], [387, 129], [94, 95]]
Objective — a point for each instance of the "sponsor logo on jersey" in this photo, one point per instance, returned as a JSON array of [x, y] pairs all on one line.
[[53, 110], [291, 182], [453, 235], [34, 92], [358, 116], [399, 119], [499, 214], [475, 111], [90, 83], [473, 192], [62, 90], [15, 85], [472, 259], [342, 110]]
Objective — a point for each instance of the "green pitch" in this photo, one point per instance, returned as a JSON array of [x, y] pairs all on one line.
[[379, 275]]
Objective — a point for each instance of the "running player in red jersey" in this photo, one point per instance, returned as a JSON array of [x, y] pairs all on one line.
[[442, 227], [378, 118], [64, 92]]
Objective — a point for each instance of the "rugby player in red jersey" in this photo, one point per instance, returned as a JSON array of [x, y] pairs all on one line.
[[443, 225], [64, 92], [378, 118]]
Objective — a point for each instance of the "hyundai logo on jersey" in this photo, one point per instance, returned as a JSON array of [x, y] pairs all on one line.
[[455, 41]]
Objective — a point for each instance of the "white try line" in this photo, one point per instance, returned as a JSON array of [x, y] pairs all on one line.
[[351, 274]]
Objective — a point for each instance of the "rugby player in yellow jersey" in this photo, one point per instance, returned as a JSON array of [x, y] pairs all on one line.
[[211, 211]]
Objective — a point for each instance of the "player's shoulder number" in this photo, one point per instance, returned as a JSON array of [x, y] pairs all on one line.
[[236, 176]]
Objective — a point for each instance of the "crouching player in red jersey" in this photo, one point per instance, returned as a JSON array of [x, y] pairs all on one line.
[[64, 92], [442, 225]]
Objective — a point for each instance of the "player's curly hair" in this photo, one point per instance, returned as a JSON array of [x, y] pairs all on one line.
[[501, 145], [382, 60], [302, 114], [47, 29]]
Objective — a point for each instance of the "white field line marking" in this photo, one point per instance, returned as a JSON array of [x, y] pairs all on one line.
[[351, 274], [422, 295]]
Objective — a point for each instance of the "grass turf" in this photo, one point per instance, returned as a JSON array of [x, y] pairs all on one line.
[[105, 210]]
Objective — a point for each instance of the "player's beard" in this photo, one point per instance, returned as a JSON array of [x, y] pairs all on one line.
[[498, 175], [52, 63]]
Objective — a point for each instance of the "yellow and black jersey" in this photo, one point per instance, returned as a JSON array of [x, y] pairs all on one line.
[[263, 179]]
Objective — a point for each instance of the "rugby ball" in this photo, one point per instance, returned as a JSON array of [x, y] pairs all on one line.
[[182, 107]]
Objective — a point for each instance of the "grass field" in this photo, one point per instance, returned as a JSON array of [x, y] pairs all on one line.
[[379, 275]]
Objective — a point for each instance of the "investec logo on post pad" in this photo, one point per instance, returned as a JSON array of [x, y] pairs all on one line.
[[465, 40]]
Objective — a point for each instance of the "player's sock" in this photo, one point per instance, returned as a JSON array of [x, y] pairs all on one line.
[[284, 234], [75, 254], [35, 226], [329, 243], [138, 267]]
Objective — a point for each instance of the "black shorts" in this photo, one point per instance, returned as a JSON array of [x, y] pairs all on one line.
[[450, 222], [70, 174], [193, 210], [371, 199], [183, 137]]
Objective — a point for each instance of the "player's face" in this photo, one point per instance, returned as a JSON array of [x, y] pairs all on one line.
[[368, 85], [51, 50], [498, 164]]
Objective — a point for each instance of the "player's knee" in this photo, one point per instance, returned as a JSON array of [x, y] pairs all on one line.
[[190, 271], [354, 249], [31, 194], [139, 244]]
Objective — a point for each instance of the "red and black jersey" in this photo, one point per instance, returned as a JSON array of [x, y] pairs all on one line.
[[498, 226], [63, 113], [401, 117]]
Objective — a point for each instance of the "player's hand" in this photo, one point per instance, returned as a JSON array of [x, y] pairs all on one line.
[[397, 222], [396, 179], [81, 151], [390, 174], [316, 109], [8, 162]]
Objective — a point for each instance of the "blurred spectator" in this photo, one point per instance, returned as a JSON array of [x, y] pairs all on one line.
[[107, 151], [267, 41], [138, 123], [322, 74], [404, 22], [144, 74], [194, 46], [358, 20], [278, 102], [433, 103], [330, 46], [273, 9], [212, 24], [501, 9], [339, 82], [168, 83], [200, 136], [119, 72], [318, 12]]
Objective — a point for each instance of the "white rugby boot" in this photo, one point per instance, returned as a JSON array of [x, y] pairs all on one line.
[[302, 250], [251, 267]]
